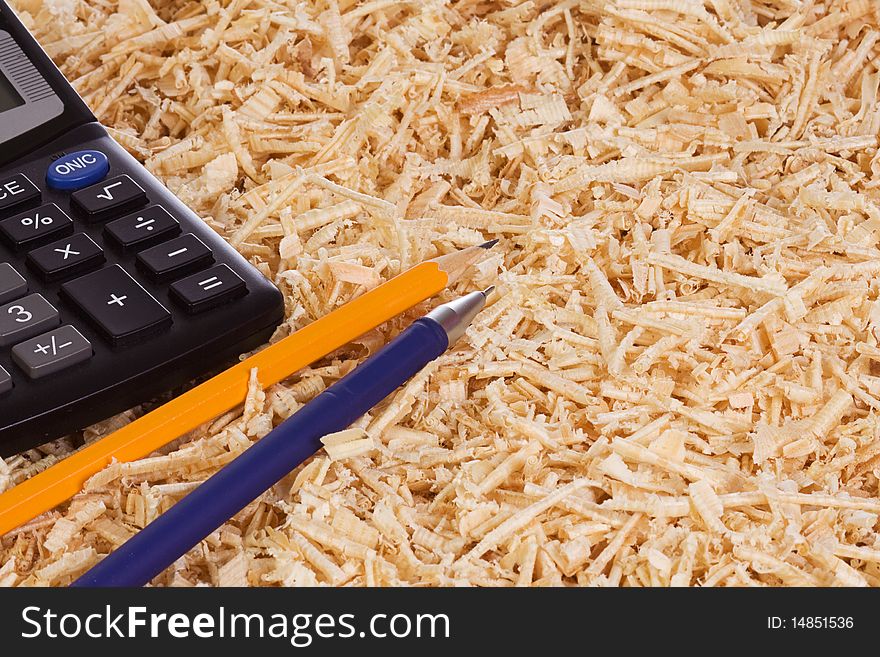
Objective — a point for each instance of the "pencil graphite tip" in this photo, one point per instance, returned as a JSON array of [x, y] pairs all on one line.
[[489, 290], [489, 244]]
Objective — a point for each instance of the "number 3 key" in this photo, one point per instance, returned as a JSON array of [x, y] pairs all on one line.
[[25, 318]]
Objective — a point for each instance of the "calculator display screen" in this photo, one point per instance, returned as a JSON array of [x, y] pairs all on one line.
[[9, 97], [37, 105]]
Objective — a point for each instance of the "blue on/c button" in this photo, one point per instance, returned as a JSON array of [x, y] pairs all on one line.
[[77, 170]]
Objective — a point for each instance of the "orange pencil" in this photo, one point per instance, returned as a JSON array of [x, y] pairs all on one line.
[[223, 392]]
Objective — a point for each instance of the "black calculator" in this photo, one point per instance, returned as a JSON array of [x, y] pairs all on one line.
[[112, 291]]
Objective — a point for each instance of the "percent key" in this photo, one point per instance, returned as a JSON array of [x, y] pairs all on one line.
[[34, 227]]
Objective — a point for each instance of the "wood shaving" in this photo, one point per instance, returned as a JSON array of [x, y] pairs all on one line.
[[678, 381], [347, 444]]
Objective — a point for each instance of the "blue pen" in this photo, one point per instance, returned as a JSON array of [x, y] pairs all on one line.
[[261, 466]]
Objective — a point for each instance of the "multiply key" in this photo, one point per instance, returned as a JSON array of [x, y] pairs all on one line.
[[117, 304], [66, 257], [28, 229]]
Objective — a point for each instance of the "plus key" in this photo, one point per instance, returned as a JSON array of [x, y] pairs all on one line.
[[123, 310]]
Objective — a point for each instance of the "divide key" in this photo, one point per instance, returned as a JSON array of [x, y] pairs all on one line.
[[143, 228]]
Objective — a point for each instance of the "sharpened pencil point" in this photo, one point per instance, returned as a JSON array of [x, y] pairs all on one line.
[[489, 244], [488, 291]]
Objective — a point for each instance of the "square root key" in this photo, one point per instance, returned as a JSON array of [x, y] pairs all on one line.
[[109, 196]]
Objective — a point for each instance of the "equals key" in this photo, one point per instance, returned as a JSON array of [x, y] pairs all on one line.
[[208, 289], [175, 257]]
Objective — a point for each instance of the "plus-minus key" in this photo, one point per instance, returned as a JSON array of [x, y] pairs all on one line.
[[51, 352]]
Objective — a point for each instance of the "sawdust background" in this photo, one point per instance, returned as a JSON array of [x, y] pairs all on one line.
[[720, 155]]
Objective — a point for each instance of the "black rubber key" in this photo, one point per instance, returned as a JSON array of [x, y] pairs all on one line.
[[5, 381], [144, 228], [208, 289], [17, 190], [66, 257], [33, 227], [117, 304], [22, 318], [52, 352], [12, 284], [108, 197], [175, 257]]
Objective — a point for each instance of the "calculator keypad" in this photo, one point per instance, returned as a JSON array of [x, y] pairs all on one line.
[[12, 284], [108, 197], [52, 352], [66, 257], [25, 317], [117, 304], [34, 227], [109, 298], [111, 291]]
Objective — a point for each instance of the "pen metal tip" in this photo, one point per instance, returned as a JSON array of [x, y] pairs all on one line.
[[488, 291], [489, 244]]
